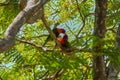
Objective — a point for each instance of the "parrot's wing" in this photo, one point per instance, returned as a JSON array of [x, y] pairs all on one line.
[[49, 37]]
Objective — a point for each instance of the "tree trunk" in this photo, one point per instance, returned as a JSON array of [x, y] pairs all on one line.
[[112, 70], [99, 33]]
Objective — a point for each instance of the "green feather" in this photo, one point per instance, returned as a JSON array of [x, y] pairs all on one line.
[[49, 37]]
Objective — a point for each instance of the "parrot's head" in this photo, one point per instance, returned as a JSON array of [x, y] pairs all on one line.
[[60, 30]]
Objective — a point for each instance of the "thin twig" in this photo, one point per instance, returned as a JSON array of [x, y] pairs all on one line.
[[84, 21], [39, 36], [83, 18], [56, 75], [70, 30], [35, 45], [81, 28], [74, 49], [46, 73], [111, 29], [79, 9]]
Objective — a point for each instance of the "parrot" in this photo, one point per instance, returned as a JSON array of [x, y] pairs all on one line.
[[64, 40], [56, 31], [62, 37], [66, 48]]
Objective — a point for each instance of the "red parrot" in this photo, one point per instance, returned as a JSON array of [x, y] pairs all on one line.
[[60, 30], [56, 31], [64, 40], [65, 44]]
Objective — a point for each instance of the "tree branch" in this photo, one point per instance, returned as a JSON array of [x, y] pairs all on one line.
[[79, 9], [50, 31], [8, 3], [84, 21], [56, 75], [35, 45], [70, 30], [9, 38], [74, 49], [83, 17]]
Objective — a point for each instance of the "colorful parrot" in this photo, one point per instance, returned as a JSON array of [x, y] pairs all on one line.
[[62, 37], [56, 31], [64, 40], [66, 48]]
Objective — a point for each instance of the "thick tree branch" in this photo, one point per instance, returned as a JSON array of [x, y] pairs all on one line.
[[9, 39]]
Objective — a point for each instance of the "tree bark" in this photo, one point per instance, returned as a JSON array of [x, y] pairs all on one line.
[[9, 39], [99, 33], [112, 70]]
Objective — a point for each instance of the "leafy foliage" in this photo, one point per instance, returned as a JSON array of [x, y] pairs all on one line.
[[26, 61]]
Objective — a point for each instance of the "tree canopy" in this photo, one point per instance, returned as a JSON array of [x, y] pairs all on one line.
[[26, 58]]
